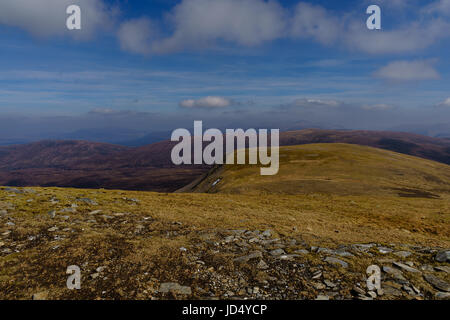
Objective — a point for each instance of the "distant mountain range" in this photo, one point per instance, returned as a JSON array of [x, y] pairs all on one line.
[[100, 165]]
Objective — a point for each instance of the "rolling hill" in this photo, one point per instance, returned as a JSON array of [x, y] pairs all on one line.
[[83, 164], [334, 169], [408, 143]]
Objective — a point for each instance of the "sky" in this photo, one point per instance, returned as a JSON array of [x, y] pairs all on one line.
[[142, 66]]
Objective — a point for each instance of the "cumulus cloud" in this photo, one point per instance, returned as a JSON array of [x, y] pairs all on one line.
[[198, 24], [137, 35], [45, 18], [445, 103], [328, 27], [439, 7], [245, 22], [314, 103], [207, 102], [408, 71], [312, 21], [409, 38]]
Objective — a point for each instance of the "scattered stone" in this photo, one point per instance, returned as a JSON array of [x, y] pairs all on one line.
[[362, 247], [229, 239], [174, 287], [325, 250], [277, 252], [95, 275], [262, 265], [253, 255], [88, 201], [288, 257], [267, 233], [409, 290], [333, 260], [443, 256], [52, 229], [322, 297], [329, 284], [395, 273], [14, 190], [343, 253], [100, 269], [52, 213], [384, 250], [443, 269], [409, 263], [416, 290], [391, 291], [358, 290], [253, 240], [402, 254], [442, 295], [405, 267], [427, 267], [437, 282], [319, 286], [40, 296]]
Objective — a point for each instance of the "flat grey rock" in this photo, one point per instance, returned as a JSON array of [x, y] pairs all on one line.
[[406, 267], [174, 288], [395, 273], [333, 260], [442, 295], [253, 255], [402, 254], [443, 268], [437, 282], [277, 252], [443, 256]]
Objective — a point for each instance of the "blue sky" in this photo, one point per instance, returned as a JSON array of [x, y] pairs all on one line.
[[230, 62]]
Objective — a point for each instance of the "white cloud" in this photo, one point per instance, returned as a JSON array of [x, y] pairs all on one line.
[[445, 103], [45, 18], [308, 103], [207, 102], [199, 23], [408, 71], [137, 35], [311, 21], [413, 37], [438, 7]]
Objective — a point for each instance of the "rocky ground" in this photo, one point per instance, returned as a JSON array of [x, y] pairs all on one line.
[[134, 255]]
